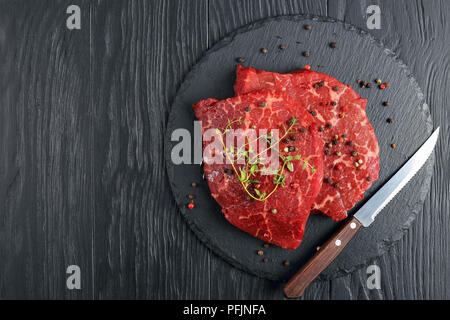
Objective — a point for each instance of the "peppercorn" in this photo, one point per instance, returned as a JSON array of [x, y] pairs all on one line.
[[327, 152], [306, 53], [393, 146], [335, 141], [193, 184], [351, 143], [336, 185], [260, 252], [191, 205], [333, 103], [240, 60], [293, 138], [265, 260], [321, 129], [336, 88], [368, 85], [321, 83], [274, 211], [303, 130], [313, 113], [291, 149], [263, 104], [227, 171], [378, 80], [390, 120], [338, 153], [329, 125], [191, 196], [264, 50], [282, 47], [308, 27], [369, 179], [344, 136], [286, 263], [328, 180], [247, 109], [333, 45], [354, 153], [386, 103]]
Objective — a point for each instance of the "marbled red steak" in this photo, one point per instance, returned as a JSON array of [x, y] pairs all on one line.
[[281, 218], [351, 161]]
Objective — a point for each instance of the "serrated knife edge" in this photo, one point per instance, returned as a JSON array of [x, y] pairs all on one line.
[[368, 212]]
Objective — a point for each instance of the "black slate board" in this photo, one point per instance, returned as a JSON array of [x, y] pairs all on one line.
[[359, 56]]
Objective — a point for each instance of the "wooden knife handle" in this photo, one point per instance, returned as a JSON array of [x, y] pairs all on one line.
[[323, 257]]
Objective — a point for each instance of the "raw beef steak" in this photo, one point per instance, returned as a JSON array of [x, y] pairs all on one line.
[[280, 219], [351, 161]]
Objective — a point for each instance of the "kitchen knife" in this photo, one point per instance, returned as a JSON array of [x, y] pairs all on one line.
[[362, 218]]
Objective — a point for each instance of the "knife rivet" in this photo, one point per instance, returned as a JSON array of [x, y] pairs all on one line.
[[353, 225], [337, 242]]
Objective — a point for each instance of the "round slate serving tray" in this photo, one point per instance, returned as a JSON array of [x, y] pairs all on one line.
[[359, 56]]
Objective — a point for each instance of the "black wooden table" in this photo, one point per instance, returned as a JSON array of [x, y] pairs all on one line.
[[82, 119]]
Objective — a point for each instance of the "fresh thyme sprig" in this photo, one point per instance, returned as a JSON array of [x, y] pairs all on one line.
[[247, 174]]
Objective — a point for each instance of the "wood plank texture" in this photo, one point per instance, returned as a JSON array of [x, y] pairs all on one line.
[[82, 179], [45, 194]]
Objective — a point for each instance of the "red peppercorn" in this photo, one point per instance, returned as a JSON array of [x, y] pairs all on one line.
[[191, 205], [339, 167], [307, 67], [382, 86]]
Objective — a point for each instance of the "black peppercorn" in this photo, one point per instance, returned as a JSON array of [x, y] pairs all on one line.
[[333, 45]]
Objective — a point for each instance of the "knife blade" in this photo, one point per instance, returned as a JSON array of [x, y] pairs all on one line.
[[366, 215], [362, 218]]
